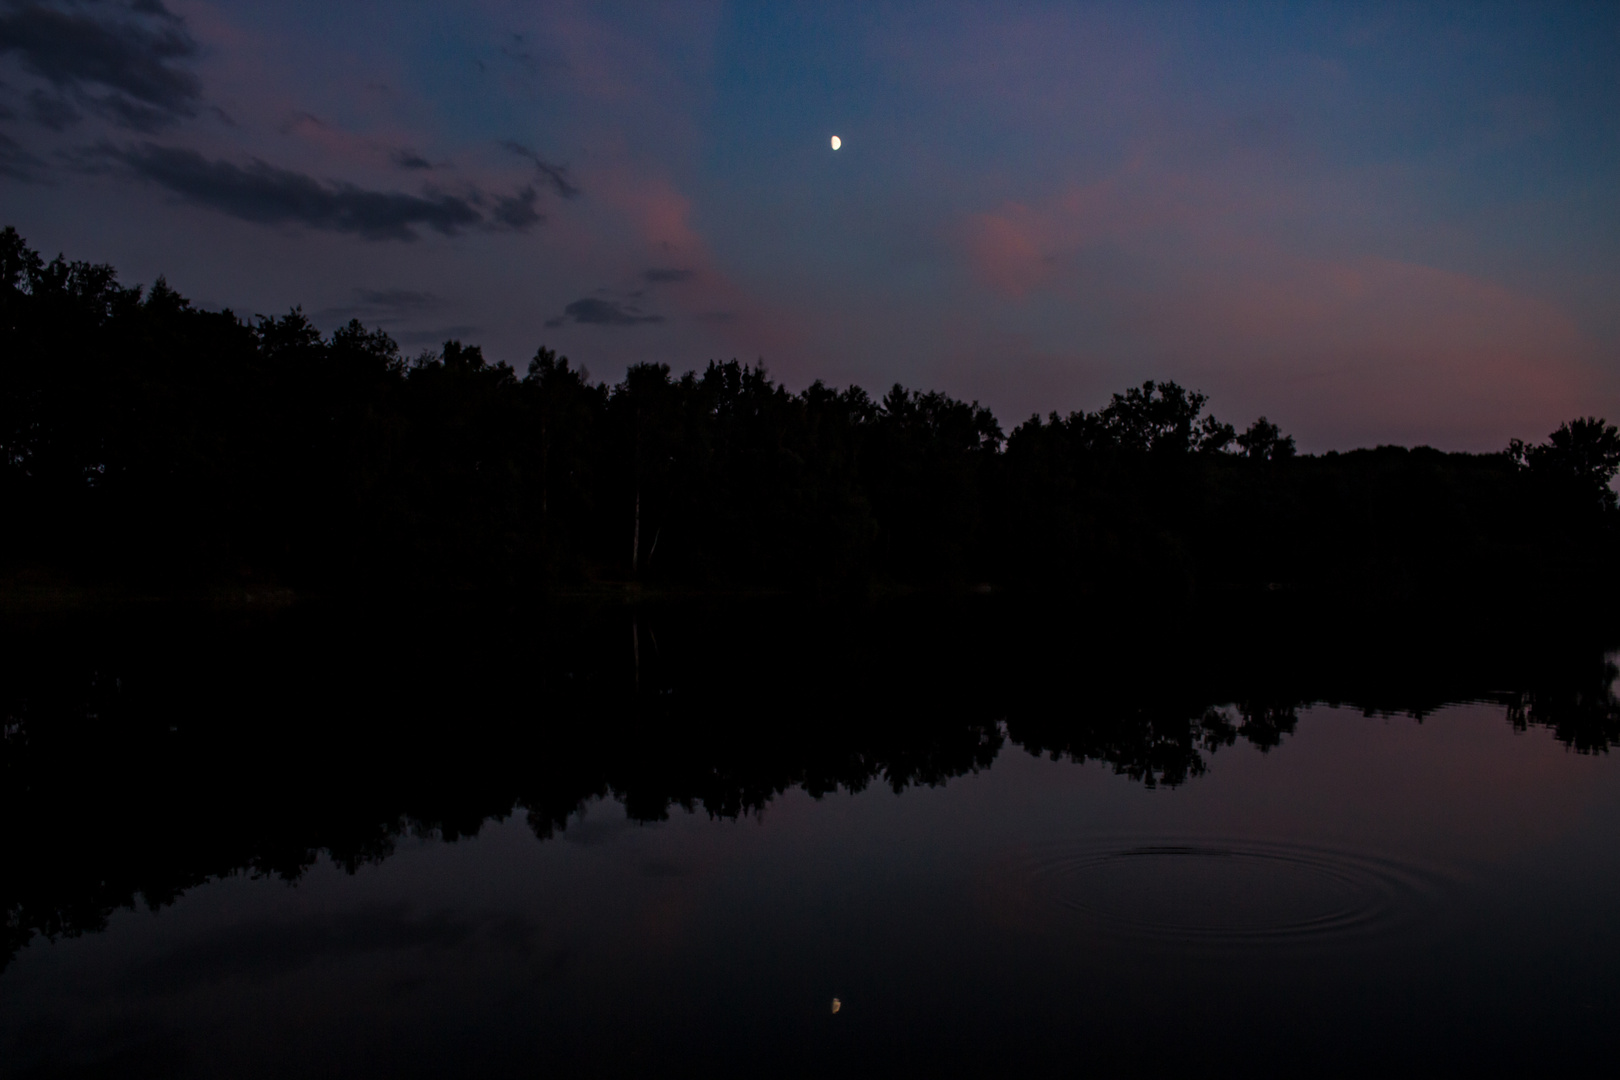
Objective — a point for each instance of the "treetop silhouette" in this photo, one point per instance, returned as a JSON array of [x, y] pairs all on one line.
[[145, 440]]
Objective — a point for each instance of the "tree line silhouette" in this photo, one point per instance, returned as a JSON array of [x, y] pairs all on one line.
[[144, 439]]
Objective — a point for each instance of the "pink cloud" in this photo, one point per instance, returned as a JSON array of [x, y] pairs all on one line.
[[1192, 284], [1417, 353], [1020, 247], [1005, 247], [660, 217]]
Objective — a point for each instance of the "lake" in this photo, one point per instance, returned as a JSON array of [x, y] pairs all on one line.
[[915, 838]]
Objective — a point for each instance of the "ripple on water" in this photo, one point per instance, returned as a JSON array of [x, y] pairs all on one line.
[[1238, 891]]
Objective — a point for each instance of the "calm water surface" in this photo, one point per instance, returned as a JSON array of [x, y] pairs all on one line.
[[1056, 857]]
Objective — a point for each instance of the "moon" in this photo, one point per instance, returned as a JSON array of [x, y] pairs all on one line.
[[837, 142]]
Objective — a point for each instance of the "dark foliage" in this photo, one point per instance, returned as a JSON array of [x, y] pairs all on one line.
[[144, 441]]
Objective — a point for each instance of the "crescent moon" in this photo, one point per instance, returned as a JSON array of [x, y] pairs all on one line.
[[837, 142]]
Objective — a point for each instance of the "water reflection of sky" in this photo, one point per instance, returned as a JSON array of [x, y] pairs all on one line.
[[715, 945]]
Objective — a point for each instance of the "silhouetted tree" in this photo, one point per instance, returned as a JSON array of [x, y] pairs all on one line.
[[1582, 455], [1265, 441], [145, 441], [564, 411]]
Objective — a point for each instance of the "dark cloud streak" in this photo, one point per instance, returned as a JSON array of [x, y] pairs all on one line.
[[398, 299], [439, 335], [381, 306], [555, 175], [134, 57], [126, 113], [593, 311], [667, 275], [154, 7], [17, 163], [52, 110], [265, 194], [517, 211]]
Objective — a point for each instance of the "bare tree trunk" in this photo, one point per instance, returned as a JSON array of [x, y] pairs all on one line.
[[635, 538], [635, 531]]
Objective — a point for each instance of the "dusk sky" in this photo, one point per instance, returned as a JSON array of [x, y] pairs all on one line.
[[1372, 223]]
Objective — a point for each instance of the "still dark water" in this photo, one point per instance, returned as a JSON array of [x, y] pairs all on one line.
[[901, 841]]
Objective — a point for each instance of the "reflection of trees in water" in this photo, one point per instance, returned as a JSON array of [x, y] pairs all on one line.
[[1581, 710], [1162, 743], [138, 762]]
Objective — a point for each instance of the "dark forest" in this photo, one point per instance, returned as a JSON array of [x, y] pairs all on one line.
[[149, 444]]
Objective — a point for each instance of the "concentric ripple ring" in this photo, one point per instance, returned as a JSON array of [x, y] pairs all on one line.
[[1235, 890]]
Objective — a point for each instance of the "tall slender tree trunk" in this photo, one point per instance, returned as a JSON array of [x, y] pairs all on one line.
[[635, 528], [635, 537], [545, 471]]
